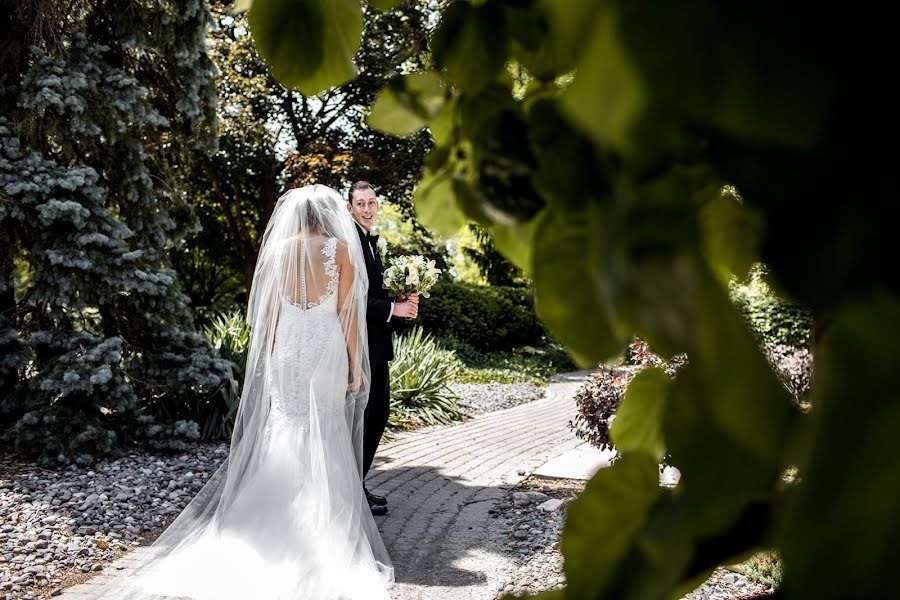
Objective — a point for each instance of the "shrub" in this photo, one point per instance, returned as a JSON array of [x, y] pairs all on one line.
[[793, 366], [420, 374], [772, 319], [229, 336], [765, 568], [487, 318], [597, 400], [528, 364]]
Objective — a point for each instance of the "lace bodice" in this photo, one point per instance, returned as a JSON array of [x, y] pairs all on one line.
[[329, 251], [306, 339], [333, 276]]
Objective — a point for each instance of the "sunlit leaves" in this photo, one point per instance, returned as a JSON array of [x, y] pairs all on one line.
[[309, 44], [408, 103], [604, 521], [435, 203], [638, 423]]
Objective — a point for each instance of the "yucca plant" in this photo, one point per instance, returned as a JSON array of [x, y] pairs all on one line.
[[420, 376], [229, 335]]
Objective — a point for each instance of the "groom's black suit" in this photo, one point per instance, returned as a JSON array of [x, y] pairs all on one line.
[[381, 349]]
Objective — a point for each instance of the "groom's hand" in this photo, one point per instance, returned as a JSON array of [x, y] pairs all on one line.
[[406, 309], [409, 296]]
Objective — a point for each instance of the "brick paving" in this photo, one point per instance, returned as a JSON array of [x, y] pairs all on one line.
[[441, 482]]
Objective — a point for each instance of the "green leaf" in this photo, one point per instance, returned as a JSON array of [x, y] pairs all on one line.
[[732, 232], [568, 299], [749, 86], [408, 103], [571, 171], [435, 203], [309, 44], [608, 95], [536, 43], [569, 24], [728, 418], [638, 423], [603, 523], [516, 242], [843, 532], [469, 44], [442, 125]]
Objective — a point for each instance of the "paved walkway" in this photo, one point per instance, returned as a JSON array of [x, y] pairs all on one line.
[[441, 482]]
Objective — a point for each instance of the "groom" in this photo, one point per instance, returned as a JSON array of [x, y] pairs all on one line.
[[363, 205]]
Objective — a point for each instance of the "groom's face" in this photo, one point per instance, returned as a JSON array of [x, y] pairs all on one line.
[[364, 207]]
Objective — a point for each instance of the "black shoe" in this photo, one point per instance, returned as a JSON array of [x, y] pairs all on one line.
[[376, 500], [378, 511]]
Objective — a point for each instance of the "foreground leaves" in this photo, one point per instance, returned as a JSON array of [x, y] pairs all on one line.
[[633, 173], [309, 44]]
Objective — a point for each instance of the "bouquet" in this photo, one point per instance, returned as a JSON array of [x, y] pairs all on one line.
[[410, 274]]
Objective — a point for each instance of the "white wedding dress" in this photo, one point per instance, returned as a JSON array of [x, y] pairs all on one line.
[[286, 518]]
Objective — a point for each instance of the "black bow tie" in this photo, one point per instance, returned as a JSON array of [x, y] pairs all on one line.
[[373, 239]]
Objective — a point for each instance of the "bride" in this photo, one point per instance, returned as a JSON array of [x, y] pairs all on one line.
[[285, 516]]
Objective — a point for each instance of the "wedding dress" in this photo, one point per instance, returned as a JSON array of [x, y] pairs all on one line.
[[285, 517]]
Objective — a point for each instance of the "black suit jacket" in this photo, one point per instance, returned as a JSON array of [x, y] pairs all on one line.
[[378, 306]]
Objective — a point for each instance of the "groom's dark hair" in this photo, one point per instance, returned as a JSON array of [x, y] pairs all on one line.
[[359, 185]]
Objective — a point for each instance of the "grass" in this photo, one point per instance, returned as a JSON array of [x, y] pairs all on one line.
[[765, 568], [520, 365]]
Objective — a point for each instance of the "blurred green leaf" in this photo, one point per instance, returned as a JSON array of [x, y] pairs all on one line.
[[732, 232], [435, 203], [516, 241], [609, 95], [469, 44], [638, 423], [309, 44], [748, 87], [843, 532], [408, 103], [534, 43], [603, 522], [571, 172], [728, 417], [567, 290]]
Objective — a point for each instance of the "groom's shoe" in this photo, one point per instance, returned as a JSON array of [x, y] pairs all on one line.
[[378, 511], [375, 500]]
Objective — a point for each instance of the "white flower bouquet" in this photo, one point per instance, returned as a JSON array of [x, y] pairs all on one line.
[[410, 274]]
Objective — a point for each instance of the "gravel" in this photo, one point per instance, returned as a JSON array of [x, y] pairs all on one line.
[[533, 515], [480, 398], [55, 524]]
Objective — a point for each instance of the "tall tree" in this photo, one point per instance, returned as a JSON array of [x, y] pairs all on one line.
[[103, 105], [271, 137]]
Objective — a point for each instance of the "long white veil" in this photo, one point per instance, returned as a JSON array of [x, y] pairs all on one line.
[[285, 516]]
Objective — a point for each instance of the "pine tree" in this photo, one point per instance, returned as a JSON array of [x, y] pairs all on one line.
[[104, 104]]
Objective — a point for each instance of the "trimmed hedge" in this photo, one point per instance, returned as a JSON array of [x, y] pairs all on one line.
[[775, 321], [487, 318]]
